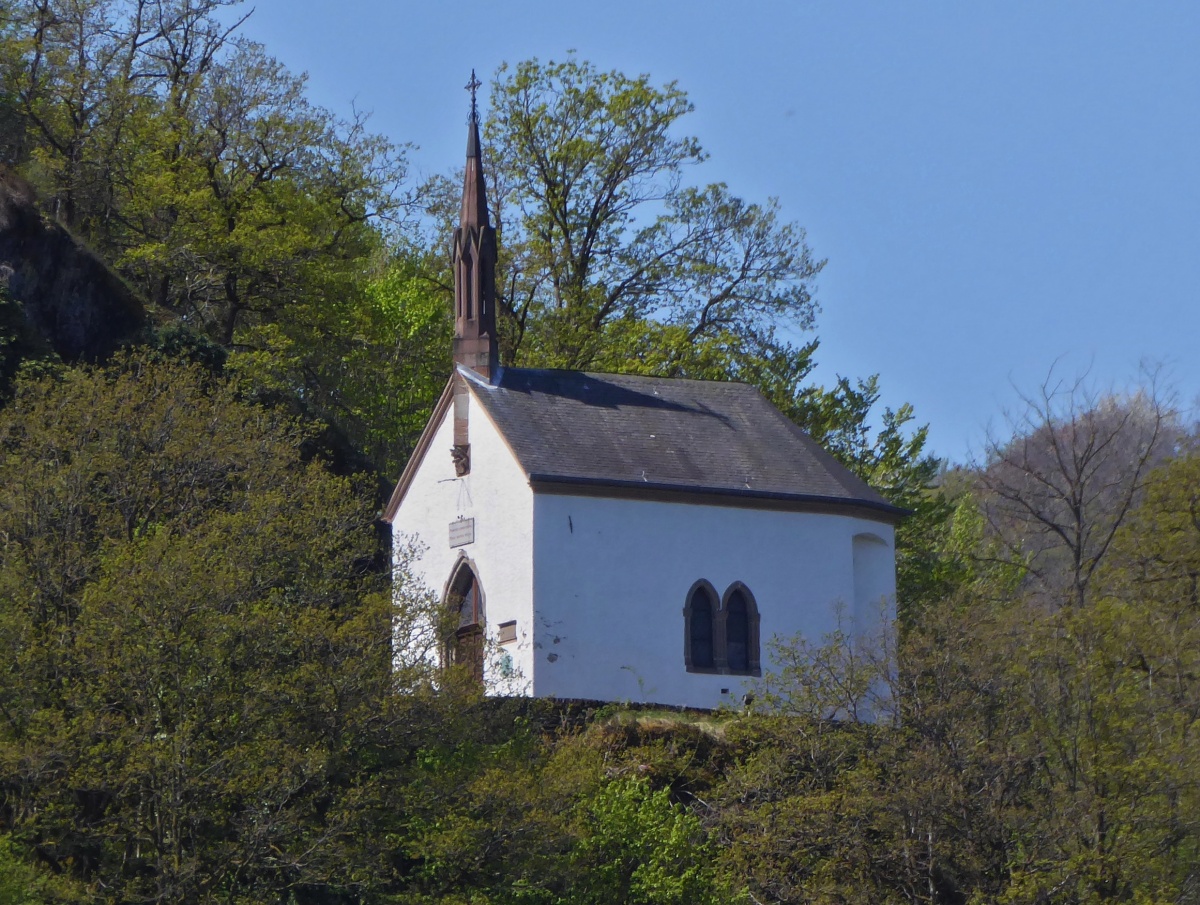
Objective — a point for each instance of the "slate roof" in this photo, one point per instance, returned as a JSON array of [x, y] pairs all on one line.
[[633, 434]]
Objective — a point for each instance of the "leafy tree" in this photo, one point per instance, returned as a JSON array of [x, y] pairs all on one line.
[[194, 161], [599, 233], [11, 122], [1156, 552], [509, 812], [1044, 754], [641, 848], [197, 647], [372, 363], [81, 71], [1116, 763], [250, 206], [22, 883]]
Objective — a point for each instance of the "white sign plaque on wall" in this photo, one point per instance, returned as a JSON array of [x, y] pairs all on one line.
[[462, 532]]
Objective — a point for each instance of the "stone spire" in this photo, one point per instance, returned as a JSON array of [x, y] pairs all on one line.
[[474, 257]]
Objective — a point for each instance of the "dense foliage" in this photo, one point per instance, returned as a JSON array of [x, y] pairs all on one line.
[[190, 634], [209, 693]]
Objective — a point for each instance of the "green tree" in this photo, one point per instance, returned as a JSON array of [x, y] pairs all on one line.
[[193, 160], [642, 849], [1043, 753], [196, 645], [80, 72], [373, 363], [250, 206], [1115, 756], [505, 811], [599, 234], [22, 883]]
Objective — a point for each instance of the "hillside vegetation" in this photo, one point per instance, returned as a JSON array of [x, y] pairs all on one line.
[[224, 320]]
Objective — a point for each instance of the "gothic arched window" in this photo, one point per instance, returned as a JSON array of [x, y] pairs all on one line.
[[465, 599], [739, 631], [721, 636], [699, 618]]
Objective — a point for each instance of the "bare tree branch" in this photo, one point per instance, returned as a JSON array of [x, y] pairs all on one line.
[[1056, 490]]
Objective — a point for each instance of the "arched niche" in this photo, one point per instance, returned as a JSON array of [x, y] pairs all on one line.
[[874, 580]]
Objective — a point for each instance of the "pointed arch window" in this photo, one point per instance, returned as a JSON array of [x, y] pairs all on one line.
[[699, 619], [739, 631], [464, 597], [721, 635]]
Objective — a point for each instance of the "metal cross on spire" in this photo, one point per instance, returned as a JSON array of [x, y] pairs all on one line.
[[473, 86]]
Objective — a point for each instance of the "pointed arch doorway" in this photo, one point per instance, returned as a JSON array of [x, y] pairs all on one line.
[[464, 597]]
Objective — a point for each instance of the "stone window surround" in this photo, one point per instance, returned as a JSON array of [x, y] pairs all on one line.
[[720, 662], [463, 564]]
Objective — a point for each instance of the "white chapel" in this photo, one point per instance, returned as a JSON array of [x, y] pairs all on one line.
[[619, 538]]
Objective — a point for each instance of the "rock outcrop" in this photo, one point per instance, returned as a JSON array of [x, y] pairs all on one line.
[[70, 297]]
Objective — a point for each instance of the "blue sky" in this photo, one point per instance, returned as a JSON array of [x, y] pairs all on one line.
[[997, 187]]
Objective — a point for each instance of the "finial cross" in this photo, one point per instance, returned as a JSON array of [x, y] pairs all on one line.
[[473, 86]]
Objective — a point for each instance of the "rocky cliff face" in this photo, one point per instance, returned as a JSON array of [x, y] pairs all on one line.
[[69, 296]]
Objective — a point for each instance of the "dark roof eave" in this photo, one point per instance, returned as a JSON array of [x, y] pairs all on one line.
[[715, 496]]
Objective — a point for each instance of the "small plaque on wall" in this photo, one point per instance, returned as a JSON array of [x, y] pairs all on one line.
[[462, 532]]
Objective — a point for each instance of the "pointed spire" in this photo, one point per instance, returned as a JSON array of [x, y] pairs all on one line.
[[473, 139], [474, 200], [474, 255]]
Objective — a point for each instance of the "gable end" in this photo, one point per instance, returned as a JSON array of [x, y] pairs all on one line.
[[418, 454]]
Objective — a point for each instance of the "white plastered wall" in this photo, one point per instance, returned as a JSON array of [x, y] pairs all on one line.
[[496, 494], [611, 578], [874, 581]]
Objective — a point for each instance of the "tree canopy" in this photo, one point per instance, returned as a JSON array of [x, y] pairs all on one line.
[[607, 250], [193, 635]]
